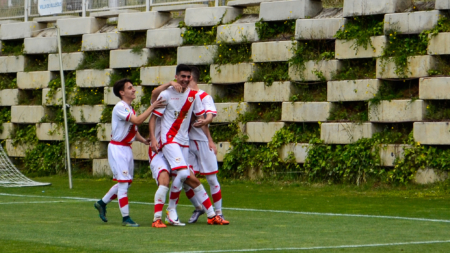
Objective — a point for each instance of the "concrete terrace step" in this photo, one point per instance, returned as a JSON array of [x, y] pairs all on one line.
[[179, 7], [246, 3], [110, 14]]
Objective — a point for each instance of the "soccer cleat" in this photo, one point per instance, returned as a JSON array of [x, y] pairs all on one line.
[[101, 211], [172, 218], [195, 215], [217, 220], [158, 224], [129, 223]]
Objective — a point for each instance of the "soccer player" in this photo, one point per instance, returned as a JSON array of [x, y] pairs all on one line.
[[202, 152], [124, 131], [175, 123]]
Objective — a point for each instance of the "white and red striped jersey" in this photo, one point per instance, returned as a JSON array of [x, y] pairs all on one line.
[[176, 116], [197, 134], [123, 131]]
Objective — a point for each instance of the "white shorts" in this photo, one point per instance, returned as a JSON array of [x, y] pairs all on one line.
[[158, 164], [202, 158], [176, 155], [120, 160]]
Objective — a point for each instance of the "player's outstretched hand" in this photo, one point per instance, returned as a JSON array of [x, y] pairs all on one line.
[[200, 123], [212, 147], [160, 103], [154, 146], [146, 141], [176, 86]]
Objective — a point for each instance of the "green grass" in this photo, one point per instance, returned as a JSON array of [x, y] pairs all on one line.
[[73, 225]]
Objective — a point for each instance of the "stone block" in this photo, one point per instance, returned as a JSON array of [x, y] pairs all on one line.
[[154, 76], [178, 7], [111, 99], [88, 150], [40, 45], [431, 88], [318, 29], [411, 22], [142, 20], [228, 112], [79, 26], [299, 150], [28, 113], [346, 133], [430, 176], [12, 64], [56, 98], [417, 66], [370, 7], [439, 44], [352, 90], [346, 49], [7, 129], [231, 73], [86, 113], [100, 168], [390, 152], [246, 3], [140, 151], [125, 58], [34, 80], [213, 90], [262, 131], [314, 70], [49, 132], [397, 111], [20, 30], [222, 149], [211, 16], [111, 14], [9, 97], [196, 55], [101, 41], [104, 131], [237, 33], [277, 92], [88, 78], [432, 133], [442, 5], [305, 111], [273, 51], [170, 37], [70, 61], [285, 10], [17, 151]]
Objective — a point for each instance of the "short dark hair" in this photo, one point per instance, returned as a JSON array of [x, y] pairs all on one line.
[[119, 85], [182, 67], [195, 73]]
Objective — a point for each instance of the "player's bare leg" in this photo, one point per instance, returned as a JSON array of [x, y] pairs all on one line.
[[160, 198], [101, 204]]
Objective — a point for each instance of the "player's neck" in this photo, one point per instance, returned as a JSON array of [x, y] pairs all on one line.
[[127, 101], [193, 86]]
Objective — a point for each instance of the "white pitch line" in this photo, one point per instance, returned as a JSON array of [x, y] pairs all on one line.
[[319, 247], [254, 210], [31, 202]]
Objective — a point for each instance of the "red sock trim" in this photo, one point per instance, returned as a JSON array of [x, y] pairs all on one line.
[[159, 207], [113, 197], [123, 202], [190, 194], [207, 203], [174, 195], [217, 196]]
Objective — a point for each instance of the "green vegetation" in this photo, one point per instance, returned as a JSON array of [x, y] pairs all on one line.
[[396, 90], [232, 53], [95, 60], [71, 44], [8, 81], [310, 92], [357, 69], [134, 74], [275, 30], [5, 117], [70, 83], [30, 97], [349, 111], [232, 93], [12, 47], [438, 110], [223, 132], [269, 72], [134, 40], [360, 29], [205, 76], [106, 114], [36, 63], [262, 112], [163, 57], [87, 96], [198, 36]]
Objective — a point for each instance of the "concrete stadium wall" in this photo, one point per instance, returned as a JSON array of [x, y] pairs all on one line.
[[161, 32]]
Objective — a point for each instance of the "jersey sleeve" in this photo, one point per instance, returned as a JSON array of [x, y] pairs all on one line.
[[208, 104], [122, 112], [160, 111], [198, 106]]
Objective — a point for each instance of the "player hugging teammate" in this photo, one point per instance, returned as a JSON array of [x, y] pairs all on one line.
[[179, 148]]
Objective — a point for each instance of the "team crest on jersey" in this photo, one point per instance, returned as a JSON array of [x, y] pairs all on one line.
[[125, 172], [190, 99], [176, 113], [178, 159]]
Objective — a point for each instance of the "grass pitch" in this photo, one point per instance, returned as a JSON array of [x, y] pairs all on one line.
[[272, 217]]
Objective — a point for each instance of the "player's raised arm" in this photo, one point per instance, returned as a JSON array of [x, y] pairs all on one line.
[[141, 118], [161, 88]]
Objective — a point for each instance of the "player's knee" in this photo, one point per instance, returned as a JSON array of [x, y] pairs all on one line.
[[164, 178], [212, 179], [183, 174]]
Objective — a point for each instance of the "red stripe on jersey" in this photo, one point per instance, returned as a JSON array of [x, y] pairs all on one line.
[[157, 113], [200, 113], [174, 195], [196, 144], [209, 111], [113, 197], [203, 95], [173, 131], [128, 117], [121, 143], [130, 135], [190, 194], [159, 207], [217, 197], [173, 142], [123, 202], [207, 203]]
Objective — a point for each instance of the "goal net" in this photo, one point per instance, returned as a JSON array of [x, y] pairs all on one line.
[[10, 176]]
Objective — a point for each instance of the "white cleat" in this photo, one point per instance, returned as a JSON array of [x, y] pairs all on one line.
[[172, 218]]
